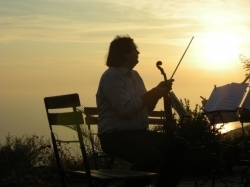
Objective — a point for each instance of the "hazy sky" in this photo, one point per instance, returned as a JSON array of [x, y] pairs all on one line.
[[53, 47]]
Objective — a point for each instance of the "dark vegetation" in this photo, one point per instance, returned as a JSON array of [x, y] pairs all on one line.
[[29, 160]]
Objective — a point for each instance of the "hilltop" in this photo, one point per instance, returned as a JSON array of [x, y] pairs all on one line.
[[239, 131]]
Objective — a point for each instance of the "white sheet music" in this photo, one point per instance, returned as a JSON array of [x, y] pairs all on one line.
[[227, 97]]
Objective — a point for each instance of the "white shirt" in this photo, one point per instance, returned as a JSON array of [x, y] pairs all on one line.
[[118, 101]]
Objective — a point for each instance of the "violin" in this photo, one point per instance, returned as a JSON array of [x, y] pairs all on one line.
[[169, 125]]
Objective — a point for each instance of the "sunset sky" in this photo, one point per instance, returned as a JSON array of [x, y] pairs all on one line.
[[54, 47]]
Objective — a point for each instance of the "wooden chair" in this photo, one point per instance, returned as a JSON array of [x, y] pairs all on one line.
[[100, 158], [58, 116], [156, 119]]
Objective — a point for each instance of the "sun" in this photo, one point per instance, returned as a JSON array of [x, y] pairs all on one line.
[[221, 49]]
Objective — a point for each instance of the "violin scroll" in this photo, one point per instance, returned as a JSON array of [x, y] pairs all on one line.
[[158, 65], [169, 121]]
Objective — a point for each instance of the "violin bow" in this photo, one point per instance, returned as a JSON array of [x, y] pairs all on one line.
[[167, 100], [182, 57]]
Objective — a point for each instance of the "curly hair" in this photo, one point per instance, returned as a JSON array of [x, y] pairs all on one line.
[[118, 49]]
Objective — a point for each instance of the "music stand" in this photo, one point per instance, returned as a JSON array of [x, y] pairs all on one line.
[[244, 112], [221, 107], [244, 117], [218, 117]]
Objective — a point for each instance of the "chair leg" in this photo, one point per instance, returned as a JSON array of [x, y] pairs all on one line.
[[62, 178]]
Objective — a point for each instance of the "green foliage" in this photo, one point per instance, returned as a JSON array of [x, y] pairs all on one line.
[[246, 65], [196, 128], [70, 156], [88, 140], [245, 61], [20, 158]]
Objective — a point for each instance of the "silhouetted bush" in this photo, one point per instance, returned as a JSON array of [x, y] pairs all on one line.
[[29, 160], [23, 160]]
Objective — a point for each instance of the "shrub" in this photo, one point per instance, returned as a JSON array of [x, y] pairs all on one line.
[[21, 159]]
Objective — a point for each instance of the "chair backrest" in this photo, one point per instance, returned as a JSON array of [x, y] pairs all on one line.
[[91, 119], [156, 117], [62, 110]]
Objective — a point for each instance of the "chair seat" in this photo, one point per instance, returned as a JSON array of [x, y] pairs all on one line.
[[125, 174], [111, 174]]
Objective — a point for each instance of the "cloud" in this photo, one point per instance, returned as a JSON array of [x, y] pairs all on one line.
[[96, 21]]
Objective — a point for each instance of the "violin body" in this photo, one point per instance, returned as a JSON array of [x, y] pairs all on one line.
[[169, 125]]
